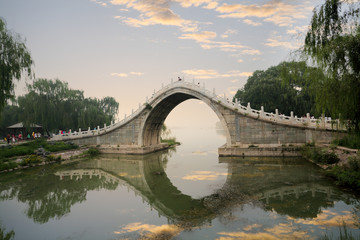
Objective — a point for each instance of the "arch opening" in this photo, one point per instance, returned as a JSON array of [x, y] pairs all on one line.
[[151, 129]]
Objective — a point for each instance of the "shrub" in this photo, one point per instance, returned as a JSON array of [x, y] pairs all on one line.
[[32, 159], [93, 152]]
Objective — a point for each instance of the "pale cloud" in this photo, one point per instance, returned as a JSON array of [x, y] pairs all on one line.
[[119, 74], [279, 12], [240, 60], [250, 52], [328, 219], [100, 3], [211, 73], [298, 30], [203, 175], [195, 3], [154, 13], [126, 74], [252, 23], [149, 231], [199, 37], [228, 32], [206, 42], [280, 231], [137, 73], [277, 41]]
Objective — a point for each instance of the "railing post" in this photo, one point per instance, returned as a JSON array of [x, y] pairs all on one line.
[[88, 129], [292, 117], [276, 114], [248, 108], [79, 130], [104, 125], [323, 122], [308, 118], [262, 111]]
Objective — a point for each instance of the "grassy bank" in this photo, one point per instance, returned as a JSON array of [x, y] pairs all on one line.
[[33, 152], [171, 141], [345, 172]]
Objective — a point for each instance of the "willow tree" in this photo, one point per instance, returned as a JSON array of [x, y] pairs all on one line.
[[15, 60], [333, 44]]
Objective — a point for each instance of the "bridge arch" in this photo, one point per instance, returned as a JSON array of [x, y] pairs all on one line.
[[150, 130]]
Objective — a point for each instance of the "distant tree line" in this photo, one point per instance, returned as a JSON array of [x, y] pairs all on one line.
[[53, 105], [326, 76], [267, 89]]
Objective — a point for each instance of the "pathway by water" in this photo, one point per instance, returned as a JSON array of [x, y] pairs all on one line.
[[185, 193]]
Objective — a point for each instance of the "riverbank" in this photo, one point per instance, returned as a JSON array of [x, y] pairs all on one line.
[[340, 163], [36, 153]]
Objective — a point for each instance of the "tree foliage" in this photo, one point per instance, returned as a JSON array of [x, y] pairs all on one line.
[[333, 44], [55, 106], [265, 88], [15, 60]]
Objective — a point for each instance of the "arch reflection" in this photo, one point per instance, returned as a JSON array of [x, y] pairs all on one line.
[[274, 184]]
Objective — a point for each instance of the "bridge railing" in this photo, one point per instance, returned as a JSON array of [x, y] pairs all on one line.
[[322, 123]]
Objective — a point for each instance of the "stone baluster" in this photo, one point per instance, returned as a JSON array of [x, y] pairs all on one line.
[[79, 130], [308, 118], [262, 112], [323, 122], [292, 120], [88, 129], [276, 114], [104, 125], [248, 108]]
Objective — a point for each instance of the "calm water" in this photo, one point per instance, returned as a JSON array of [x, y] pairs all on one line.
[[186, 193]]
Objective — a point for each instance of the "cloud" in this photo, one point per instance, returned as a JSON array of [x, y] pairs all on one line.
[[240, 60], [196, 3], [119, 74], [204, 175], [126, 74], [250, 52], [277, 11], [199, 37], [155, 12], [137, 73], [280, 231], [297, 30], [149, 231], [100, 3], [211, 73], [228, 32], [252, 23], [277, 41]]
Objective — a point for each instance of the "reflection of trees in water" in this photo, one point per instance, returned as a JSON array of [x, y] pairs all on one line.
[[263, 183], [46, 196]]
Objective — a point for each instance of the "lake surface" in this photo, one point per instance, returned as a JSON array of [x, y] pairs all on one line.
[[184, 193]]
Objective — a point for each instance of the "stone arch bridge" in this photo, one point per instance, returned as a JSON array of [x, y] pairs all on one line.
[[248, 131]]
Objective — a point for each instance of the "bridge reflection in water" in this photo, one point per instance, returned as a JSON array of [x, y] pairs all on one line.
[[262, 182]]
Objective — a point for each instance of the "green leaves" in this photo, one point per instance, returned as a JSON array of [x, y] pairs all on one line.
[[333, 44], [266, 88], [55, 106], [15, 60]]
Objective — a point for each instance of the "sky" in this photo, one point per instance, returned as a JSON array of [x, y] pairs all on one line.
[[127, 48]]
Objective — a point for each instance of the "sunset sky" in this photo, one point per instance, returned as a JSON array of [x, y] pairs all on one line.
[[128, 48]]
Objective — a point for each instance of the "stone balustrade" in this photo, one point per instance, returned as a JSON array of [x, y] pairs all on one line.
[[304, 122]]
